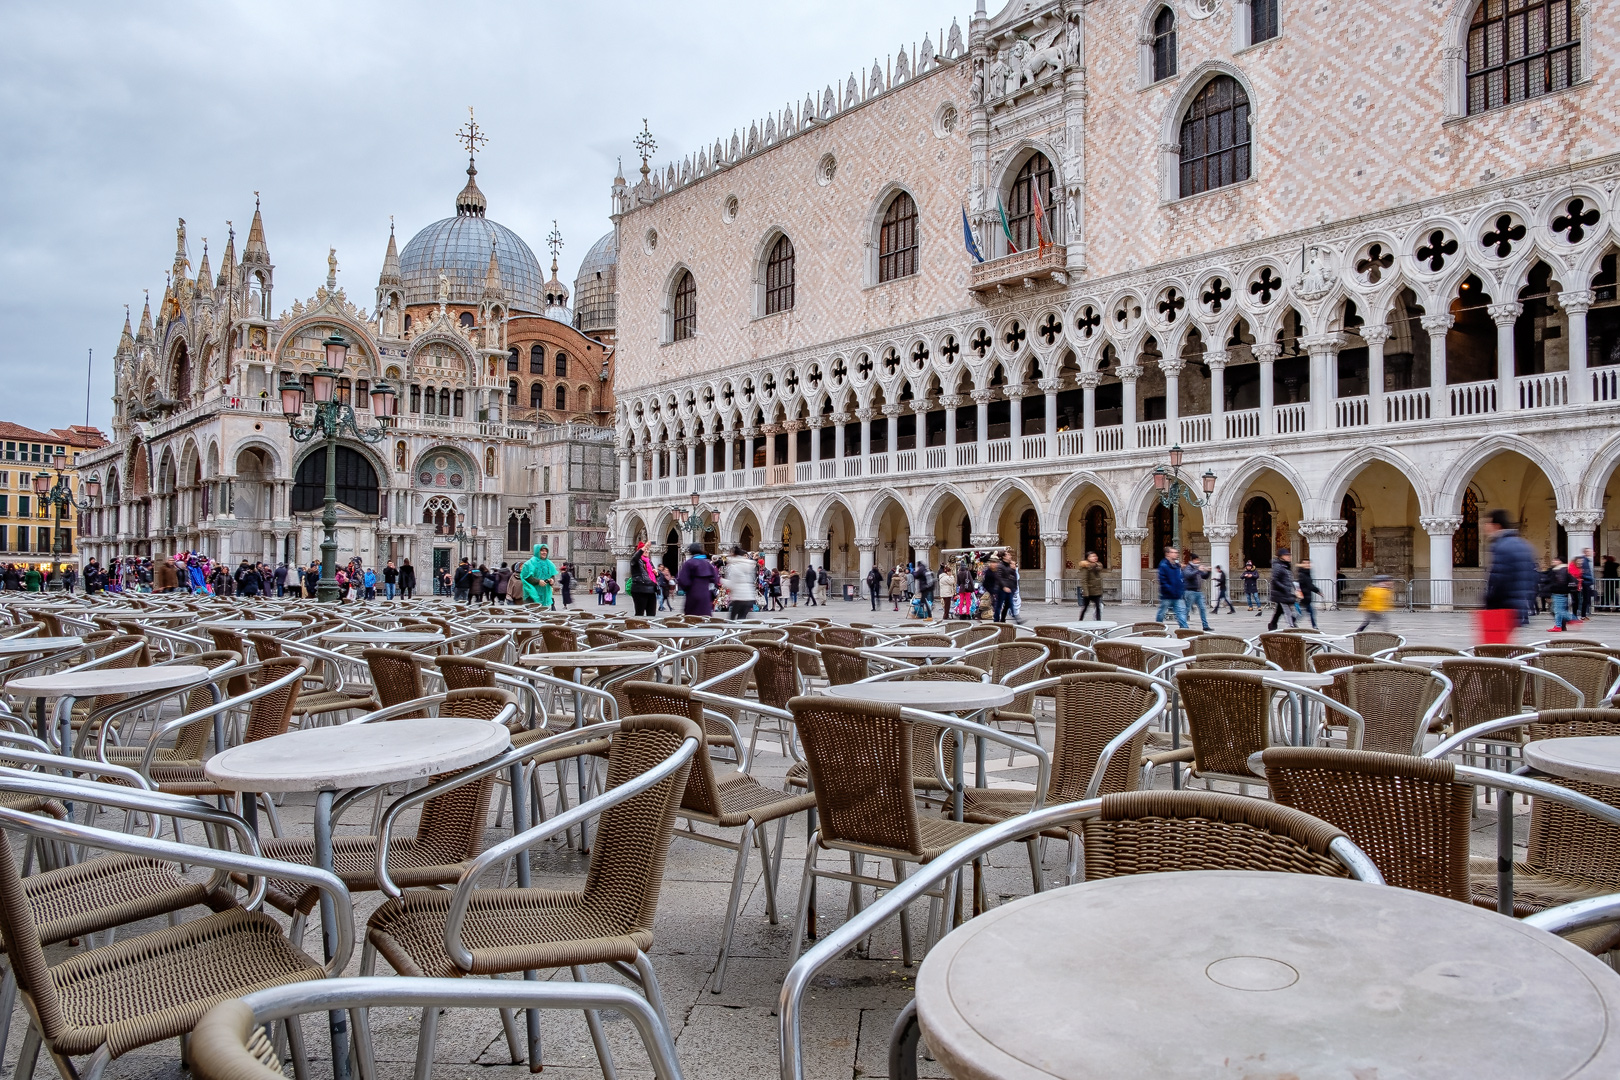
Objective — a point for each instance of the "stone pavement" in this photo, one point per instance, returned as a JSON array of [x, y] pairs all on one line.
[[732, 1035]]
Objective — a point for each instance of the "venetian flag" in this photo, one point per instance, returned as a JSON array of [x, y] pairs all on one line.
[[967, 239], [1006, 229], [1043, 238]]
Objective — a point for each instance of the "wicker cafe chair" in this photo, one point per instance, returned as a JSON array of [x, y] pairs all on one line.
[[1500, 650], [1225, 662], [449, 833], [804, 636], [729, 800], [464, 672], [1401, 653], [116, 998], [844, 665], [559, 639], [1122, 654], [1155, 629], [1228, 644], [1398, 704], [777, 680], [926, 775], [1595, 675], [1291, 652], [190, 741], [1150, 832], [472, 931], [724, 669], [315, 699], [227, 640], [1230, 718], [845, 637], [1018, 663], [861, 756], [396, 674]]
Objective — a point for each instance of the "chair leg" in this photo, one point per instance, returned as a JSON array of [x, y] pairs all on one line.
[[598, 1039], [275, 818], [294, 1026], [1034, 846], [905, 917], [30, 1053], [8, 1004], [649, 986], [514, 1041], [1071, 872], [767, 878], [426, 1037], [744, 845], [802, 915]]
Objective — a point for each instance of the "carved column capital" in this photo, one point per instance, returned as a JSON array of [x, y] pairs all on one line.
[[983, 397], [919, 542], [864, 415], [893, 408], [1440, 526], [1050, 386], [1088, 380], [1576, 301], [1506, 314], [1322, 532], [1171, 365], [1267, 351], [815, 546], [986, 541], [950, 401], [1220, 534], [1216, 359], [1130, 536], [1128, 373], [1317, 344], [1437, 324], [1013, 392], [1374, 335], [866, 543], [1584, 521], [1054, 539]]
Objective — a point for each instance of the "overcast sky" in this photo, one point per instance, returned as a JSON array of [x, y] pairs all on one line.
[[118, 118]]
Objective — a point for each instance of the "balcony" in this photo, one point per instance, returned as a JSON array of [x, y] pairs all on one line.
[[1021, 270]]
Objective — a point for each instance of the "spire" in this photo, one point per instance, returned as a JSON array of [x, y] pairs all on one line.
[[493, 289], [228, 264], [205, 272], [146, 318], [126, 340], [618, 177], [390, 268], [256, 251], [471, 202]]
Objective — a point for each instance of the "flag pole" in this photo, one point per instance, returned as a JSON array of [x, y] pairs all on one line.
[[89, 366]]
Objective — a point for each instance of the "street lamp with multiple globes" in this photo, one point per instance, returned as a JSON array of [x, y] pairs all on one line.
[[1173, 486], [59, 494], [697, 520], [332, 419]]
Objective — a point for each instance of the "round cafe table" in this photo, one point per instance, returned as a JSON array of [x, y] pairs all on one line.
[[1593, 759], [1273, 975], [1159, 644], [383, 638], [681, 633], [1097, 626], [68, 686], [25, 645], [251, 626], [1310, 680], [607, 658], [925, 653], [327, 760]]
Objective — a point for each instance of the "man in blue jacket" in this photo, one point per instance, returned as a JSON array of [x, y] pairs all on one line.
[[1172, 588], [1511, 581]]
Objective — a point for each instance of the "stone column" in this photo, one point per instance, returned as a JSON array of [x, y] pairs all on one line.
[[864, 416], [771, 553], [922, 548], [867, 548], [950, 404], [749, 435], [839, 420], [1127, 381], [1267, 353], [769, 435], [624, 472], [1440, 530], [891, 413], [621, 564], [1324, 352], [1436, 327], [1323, 537], [1015, 420], [1050, 388], [709, 455], [1130, 564], [1216, 359], [691, 463], [792, 429], [1375, 337], [815, 423], [1088, 411], [981, 398], [1053, 542], [1220, 554], [1506, 316], [1171, 366], [1575, 305], [1580, 529], [815, 552]]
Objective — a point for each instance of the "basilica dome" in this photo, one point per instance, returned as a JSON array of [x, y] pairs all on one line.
[[459, 248]]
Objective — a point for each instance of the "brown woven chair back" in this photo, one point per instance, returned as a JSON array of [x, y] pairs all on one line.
[[52, 625], [482, 639], [1575, 643], [1147, 832], [933, 641], [1371, 641], [1326, 663], [648, 698], [1187, 633], [476, 703], [396, 676], [978, 635], [1225, 662], [1056, 633], [1091, 709], [452, 824], [1288, 651], [1228, 714], [559, 639], [1564, 841], [230, 641], [422, 628], [1071, 667], [1392, 702], [633, 623], [23, 951], [464, 672], [142, 658], [265, 646], [843, 665], [776, 676], [269, 715], [845, 637], [860, 755], [1121, 654], [632, 839], [1155, 629], [1405, 651], [1592, 673], [722, 662], [1501, 651], [1007, 658], [805, 636], [1483, 690], [1409, 814], [597, 638], [190, 740], [1218, 643]]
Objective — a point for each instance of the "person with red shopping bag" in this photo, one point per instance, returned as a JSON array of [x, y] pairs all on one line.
[[1510, 583]]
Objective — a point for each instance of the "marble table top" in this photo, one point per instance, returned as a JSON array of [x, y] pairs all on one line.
[[923, 694], [1592, 758], [357, 755], [104, 681]]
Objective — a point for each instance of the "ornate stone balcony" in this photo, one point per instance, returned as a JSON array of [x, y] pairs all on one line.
[[1021, 270]]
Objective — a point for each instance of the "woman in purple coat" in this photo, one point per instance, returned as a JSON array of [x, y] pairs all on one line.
[[699, 581]]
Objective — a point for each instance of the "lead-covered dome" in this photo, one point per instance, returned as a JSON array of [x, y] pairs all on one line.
[[459, 248], [596, 285]]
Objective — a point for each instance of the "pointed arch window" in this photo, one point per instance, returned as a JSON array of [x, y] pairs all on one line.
[[1164, 44], [685, 307], [779, 277], [1465, 541], [1350, 542], [1521, 49], [1032, 187], [1215, 137], [897, 239]]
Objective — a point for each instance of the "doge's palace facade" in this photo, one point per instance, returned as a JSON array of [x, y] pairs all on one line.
[[1355, 259]]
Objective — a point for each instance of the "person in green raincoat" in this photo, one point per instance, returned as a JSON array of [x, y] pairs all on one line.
[[538, 573]]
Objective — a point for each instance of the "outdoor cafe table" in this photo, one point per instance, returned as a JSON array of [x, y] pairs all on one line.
[[944, 697], [1592, 759], [383, 638], [327, 760], [1310, 680], [251, 626], [68, 686], [683, 633], [926, 653], [1093, 627], [25, 645], [1158, 644], [1246, 973]]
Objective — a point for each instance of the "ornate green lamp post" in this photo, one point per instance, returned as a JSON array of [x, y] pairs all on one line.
[[1173, 487]]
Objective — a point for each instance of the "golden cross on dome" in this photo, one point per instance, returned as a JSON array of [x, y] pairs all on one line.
[[470, 134]]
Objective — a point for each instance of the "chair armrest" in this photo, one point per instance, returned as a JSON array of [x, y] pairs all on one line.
[[1355, 724], [1580, 698], [1568, 918], [1140, 724], [984, 731], [293, 676], [427, 702]]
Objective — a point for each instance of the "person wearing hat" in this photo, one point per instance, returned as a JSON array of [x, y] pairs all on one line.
[[538, 574], [643, 582], [699, 581]]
